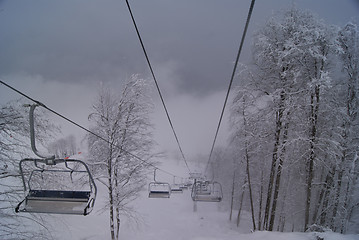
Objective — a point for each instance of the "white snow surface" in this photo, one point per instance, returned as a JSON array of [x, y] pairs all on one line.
[[174, 219]]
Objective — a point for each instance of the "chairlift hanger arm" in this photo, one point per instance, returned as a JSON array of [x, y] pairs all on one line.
[[32, 133]]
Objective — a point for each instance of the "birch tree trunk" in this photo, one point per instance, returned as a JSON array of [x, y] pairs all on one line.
[[241, 202], [317, 207], [112, 224], [260, 202], [247, 164], [250, 191], [232, 194], [328, 187], [310, 163], [279, 115], [278, 177]]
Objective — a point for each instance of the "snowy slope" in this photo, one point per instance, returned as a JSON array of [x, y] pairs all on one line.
[[173, 218]]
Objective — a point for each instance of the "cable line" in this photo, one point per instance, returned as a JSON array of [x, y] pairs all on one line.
[[83, 128], [231, 81], [156, 83]]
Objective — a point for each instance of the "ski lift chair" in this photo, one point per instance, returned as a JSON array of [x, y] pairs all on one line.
[[58, 199], [188, 183], [176, 188], [205, 191], [47, 186], [195, 175], [203, 188], [159, 190], [183, 186]]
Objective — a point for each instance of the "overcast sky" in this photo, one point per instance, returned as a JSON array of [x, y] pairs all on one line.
[[59, 51]]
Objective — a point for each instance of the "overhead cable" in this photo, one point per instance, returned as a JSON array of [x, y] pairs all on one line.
[[83, 128], [156, 83], [231, 80]]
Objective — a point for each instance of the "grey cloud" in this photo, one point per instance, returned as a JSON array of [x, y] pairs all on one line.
[[95, 40]]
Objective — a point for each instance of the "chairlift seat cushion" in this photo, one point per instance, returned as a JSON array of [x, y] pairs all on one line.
[[56, 195], [206, 198], [203, 192], [177, 190], [61, 202], [159, 194]]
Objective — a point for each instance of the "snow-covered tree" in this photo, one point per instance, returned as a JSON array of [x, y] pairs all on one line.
[[63, 147], [347, 166], [123, 121], [249, 139], [280, 120], [289, 54]]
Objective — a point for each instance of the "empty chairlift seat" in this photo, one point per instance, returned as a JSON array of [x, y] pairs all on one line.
[[62, 202], [159, 190], [205, 191], [62, 186], [183, 186], [58, 188], [176, 188]]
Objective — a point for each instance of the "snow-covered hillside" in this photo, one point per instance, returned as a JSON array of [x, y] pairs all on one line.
[[173, 218]]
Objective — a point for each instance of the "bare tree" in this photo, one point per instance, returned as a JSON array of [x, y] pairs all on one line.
[[123, 120], [63, 147], [348, 48]]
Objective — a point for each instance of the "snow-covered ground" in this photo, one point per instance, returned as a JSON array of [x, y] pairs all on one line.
[[173, 218]]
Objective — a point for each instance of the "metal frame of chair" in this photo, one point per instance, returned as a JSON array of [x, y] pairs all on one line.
[[56, 201], [206, 191], [158, 189]]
